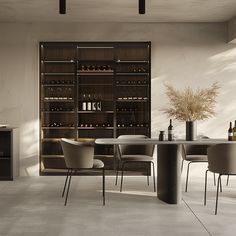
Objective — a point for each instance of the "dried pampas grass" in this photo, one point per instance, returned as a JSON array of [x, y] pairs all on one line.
[[191, 105]]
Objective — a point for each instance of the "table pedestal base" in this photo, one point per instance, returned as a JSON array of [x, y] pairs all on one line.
[[169, 173]]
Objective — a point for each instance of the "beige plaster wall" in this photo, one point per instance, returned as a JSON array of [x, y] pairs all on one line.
[[182, 54]]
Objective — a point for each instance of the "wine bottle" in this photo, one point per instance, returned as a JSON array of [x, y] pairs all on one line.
[[89, 104], [230, 132], [84, 105], [234, 131], [94, 103], [170, 131]]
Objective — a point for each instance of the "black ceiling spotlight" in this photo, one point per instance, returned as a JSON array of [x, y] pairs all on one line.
[[62, 6], [141, 6]]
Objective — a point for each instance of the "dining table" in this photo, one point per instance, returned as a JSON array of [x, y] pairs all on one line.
[[169, 157]]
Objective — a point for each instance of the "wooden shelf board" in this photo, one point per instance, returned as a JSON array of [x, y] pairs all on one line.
[[132, 85], [130, 61], [102, 128], [58, 85], [131, 100], [58, 112], [127, 127], [58, 73], [58, 100], [95, 73], [131, 73], [97, 112], [55, 61], [95, 84], [58, 127]]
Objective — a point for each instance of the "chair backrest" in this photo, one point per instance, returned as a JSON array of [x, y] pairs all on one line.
[[78, 154], [222, 158], [189, 149], [128, 149]]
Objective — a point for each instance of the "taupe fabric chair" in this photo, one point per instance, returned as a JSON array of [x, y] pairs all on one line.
[[194, 154], [79, 155], [135, 153], [221, 160]]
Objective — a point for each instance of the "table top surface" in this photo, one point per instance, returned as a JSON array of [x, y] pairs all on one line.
[[113, 141]]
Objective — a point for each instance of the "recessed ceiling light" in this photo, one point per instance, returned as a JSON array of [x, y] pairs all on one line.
[[141, 6], [62, 6]]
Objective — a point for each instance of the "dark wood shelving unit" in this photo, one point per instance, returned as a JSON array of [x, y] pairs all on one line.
[[94, 75]]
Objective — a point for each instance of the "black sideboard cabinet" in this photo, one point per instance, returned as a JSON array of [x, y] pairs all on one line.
[[9, 155], [92, 90]]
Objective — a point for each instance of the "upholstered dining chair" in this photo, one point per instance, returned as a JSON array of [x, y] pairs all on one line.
[[134, 154], [79, 155], [194, 154], [221, 160]]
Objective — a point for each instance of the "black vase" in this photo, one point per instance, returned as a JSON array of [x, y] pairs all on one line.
[[191, 130]]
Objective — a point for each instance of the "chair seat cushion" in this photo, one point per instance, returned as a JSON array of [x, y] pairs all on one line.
[[136, 158], [98, 163], [196, 158]]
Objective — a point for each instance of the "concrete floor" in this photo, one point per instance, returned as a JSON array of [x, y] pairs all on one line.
[[32, 206]]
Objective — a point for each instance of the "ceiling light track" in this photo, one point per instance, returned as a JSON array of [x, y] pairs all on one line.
[[62, 6]]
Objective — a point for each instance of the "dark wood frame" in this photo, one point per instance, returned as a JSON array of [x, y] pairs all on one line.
[[116, 46]]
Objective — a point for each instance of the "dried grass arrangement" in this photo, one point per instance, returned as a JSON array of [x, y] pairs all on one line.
[[191, 105]]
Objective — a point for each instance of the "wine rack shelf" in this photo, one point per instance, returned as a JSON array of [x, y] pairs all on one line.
[[92, 90]]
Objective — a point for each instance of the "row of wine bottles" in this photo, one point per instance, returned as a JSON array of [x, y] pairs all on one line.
[[126, 109], [56, 124], [59, 81], [131, 82], [93, 68], [91, 103], [95, 125], [104, 125], [58, 109], [58, 98], [123, 125], [139, 70], [59, 89], [132, 98]]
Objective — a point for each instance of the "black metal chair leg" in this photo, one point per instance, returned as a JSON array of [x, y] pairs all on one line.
[[68, 188], [122, 175], [227, 182], [217, 194], [117, 172], [154, 180], [220, 185], [148, 173], [103, 186], [63, 192], [205, 188], [186, 187]]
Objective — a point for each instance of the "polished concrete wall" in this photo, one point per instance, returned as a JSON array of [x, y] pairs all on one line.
[[182, 54]]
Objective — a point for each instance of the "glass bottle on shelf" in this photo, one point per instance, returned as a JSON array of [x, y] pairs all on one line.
[[89, 104], [94, 103], [99, 103], [84, 103], [230, 132]]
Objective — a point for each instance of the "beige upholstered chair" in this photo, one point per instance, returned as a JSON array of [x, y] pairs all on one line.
[[221, 160], [135, 153], [79, 155], [194, 154]]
